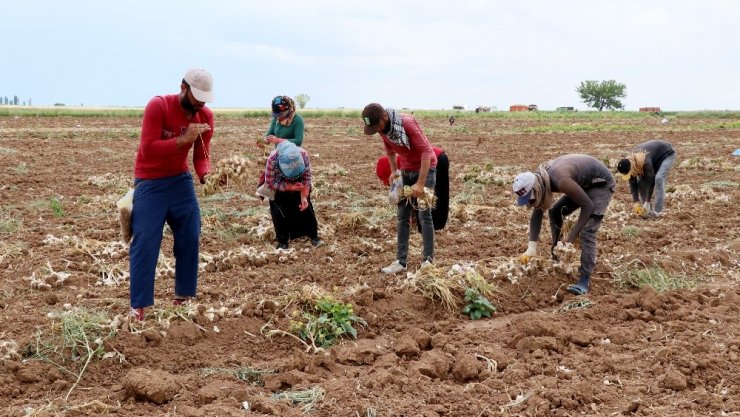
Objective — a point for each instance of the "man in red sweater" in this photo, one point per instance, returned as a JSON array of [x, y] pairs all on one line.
[[164, 190], [402, 136]]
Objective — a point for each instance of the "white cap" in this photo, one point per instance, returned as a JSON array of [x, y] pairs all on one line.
[[523, 184], [201, 84]]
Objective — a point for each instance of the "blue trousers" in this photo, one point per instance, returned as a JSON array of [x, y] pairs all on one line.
[[171, 200]]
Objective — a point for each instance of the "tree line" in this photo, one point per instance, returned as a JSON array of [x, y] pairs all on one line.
[[599, 95], [13, 101]]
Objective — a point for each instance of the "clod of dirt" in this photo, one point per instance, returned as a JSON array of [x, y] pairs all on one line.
[[363, 352], [284, 381], [152, 337], [673, 380], [406, 346], [435, 364], [466, 367], [532, 343], [379, 379], [648, 299], [221, 389], [421, 337], [151, 385], [185, 333], [264, 406], [584, 337], [387, 361], [30, 373], [621, 336]]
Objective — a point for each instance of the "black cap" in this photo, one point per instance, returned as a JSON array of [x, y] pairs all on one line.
[[371, 115], [623, 167], [280, 104]]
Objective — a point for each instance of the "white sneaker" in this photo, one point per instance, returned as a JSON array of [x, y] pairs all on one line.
[[426, 263], [394, 268]]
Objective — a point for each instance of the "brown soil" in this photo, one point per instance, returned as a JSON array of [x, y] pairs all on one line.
[[631, 352]]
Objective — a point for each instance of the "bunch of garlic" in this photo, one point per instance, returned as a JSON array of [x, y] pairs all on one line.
[[427, 200], [232, 168]]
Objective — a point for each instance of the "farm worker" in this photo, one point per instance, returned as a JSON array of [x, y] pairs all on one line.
[[164, 191], [285, 123], [403, 138], [646, 169], [588, 185], [441, 210], [288, 175]]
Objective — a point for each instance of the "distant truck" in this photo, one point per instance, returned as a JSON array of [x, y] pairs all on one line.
[[566, 108], [650, 109], [523, 107], [460, 107], [482, 109]]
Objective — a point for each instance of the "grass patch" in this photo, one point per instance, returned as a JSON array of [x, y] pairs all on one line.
[[21, 169], [655, 276], [631, 231], [9, 224], [720, 184], [56, 207], [578, 304], [242, 373], [307, 398], [75, 339]]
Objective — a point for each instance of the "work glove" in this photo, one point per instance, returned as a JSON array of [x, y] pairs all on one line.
[[529, 254], [638, 209]]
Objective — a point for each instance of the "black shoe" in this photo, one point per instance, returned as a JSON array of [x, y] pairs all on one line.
[[282, 246], [317, 242]]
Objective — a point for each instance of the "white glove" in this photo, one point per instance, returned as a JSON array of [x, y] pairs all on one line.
[[530, 253]]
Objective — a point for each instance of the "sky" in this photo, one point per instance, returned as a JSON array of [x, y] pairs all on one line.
[[679, 55]]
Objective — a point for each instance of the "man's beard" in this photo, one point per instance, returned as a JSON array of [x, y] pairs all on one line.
[[188, 106]]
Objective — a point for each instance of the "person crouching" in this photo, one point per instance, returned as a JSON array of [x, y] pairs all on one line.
[[288, 174]]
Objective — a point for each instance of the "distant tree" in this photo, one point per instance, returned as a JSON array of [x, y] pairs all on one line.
[[302, 99], [15, 100], [602, 95], [24, 103], [6, 100], [29, 101]]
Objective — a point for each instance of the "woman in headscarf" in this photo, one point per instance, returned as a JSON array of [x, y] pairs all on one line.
[[587, 184], [288, 176], [286, 123]]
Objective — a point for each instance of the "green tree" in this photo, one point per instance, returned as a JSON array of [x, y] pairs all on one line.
[[302, 99], [602, 95]]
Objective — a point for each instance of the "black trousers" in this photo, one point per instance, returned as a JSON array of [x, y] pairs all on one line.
[[442, 190], [289, 221]]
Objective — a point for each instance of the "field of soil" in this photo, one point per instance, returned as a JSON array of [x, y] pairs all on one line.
[[671, 348]]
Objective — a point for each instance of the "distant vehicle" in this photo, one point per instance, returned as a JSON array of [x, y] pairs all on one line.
[[518, 107], [565, 109], [460, 107], [483, 109], [655, 110], [523, 107]]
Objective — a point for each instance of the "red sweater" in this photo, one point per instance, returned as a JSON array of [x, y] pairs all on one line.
[[420, 146], [158, 156]]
